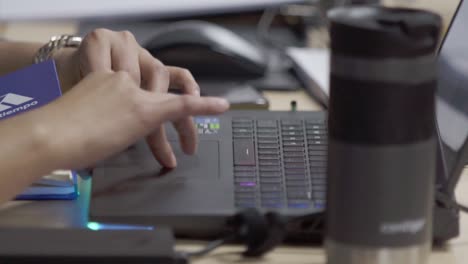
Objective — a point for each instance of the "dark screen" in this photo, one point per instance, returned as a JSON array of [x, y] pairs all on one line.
[[452, 93]]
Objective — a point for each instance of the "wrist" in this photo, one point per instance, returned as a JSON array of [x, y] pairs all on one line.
[[43, 142], [68, 68]]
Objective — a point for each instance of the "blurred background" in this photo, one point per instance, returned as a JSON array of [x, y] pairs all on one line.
[[254, 52]]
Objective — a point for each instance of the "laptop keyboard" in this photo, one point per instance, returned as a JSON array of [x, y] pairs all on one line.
[[279, 163]]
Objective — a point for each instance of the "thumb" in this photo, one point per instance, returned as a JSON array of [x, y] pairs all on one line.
[[186, 105]]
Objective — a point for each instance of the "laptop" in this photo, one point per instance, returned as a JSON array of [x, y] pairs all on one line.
[[273, 161]]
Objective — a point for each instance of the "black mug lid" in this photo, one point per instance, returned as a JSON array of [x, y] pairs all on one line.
[[396, 32]]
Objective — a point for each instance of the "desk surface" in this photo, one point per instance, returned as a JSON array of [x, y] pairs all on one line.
[[56, 214]]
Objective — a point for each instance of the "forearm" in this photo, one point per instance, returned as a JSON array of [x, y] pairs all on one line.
[[25, 154], [16, 55]]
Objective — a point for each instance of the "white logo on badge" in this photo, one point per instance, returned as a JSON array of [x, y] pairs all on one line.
[[10, 99], [15, 101]]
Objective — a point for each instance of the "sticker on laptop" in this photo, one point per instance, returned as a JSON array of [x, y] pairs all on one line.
[[207, 125]]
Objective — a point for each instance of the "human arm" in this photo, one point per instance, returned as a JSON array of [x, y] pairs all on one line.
[[104, 50], [102, 115]]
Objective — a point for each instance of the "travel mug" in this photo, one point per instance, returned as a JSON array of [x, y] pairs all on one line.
[[382, 145]]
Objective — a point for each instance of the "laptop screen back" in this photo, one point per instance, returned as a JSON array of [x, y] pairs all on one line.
[[452, 93]]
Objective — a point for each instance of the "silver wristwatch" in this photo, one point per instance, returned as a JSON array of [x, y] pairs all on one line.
[[56, 43]]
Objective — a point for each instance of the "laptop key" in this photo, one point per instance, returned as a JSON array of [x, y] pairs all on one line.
[[317, 147], [293, 138], [319, 182], [270, 174], [245, 179], [319, 195], [266, 123], [267, 146], [293, 154], [317, 142], [245, 204], [315, 126], [293, 133], [242, 130], [315, 121], [288, 166], [318, 188], [267, 136], [268, 141], [244, 168], [295, 183], [268, 157], [317, 159], [318, 164], [321, 175], [298, 195], [244, 189], [245, 173], [242, 125], [317, 153], [293, 143], [268, 152], [299, 204], [317, 137], [242, 135], [272, 205], [244, 153], [296, 177], [269, 162], [277, 195], [293, 149], [270, 180], [299, 159], [271, 188], [291, 122], [245, 196], [270, 168]]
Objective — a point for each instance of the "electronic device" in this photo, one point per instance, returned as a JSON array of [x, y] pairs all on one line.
[[273, 161], [87, 246], [208, 51], [51, 9]]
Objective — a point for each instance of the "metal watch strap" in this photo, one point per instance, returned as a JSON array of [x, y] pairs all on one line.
[[56, 43]]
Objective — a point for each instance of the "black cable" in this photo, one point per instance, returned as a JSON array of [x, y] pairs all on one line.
[[208, 248], [462, 208]]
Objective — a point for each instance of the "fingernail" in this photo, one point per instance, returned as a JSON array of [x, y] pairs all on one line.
[[222, 103], [173, 160]]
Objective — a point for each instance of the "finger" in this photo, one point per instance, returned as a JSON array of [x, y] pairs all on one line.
[[188, 135], [95, 52], [183, 79], [156, 79], [161, 149], [125, 54], [154, 73], [177, 107]]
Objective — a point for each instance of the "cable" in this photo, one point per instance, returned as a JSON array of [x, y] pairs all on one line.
[[462, 208], [208, 248]]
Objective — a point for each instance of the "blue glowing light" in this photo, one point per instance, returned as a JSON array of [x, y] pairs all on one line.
[[100, 226]]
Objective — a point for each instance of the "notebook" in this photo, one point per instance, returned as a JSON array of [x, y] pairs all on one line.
[[25, 90]]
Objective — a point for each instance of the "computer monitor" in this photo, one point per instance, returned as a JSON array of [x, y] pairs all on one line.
[[53, 9], [452, 98]]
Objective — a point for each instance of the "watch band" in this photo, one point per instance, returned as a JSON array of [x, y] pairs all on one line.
[[56, 43]]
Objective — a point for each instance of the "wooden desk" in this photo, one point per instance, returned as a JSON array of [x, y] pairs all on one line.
[[455, 252]]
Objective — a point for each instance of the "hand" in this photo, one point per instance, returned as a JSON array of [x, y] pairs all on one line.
[[106, 51], [107, 112]]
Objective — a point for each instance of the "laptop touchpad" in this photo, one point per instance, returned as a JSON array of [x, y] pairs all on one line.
[[203, 165]]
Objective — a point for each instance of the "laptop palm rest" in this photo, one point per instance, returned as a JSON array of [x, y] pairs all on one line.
[[143, 190]]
